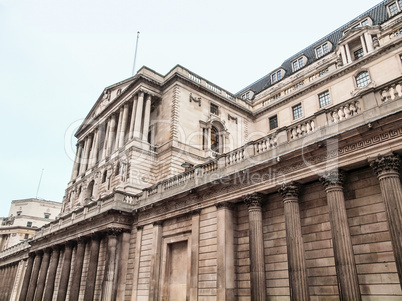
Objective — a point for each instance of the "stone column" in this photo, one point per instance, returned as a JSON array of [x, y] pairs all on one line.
[[79, 262], [208, 138], [94, 150], [296, 261], [27, 277], [147, 118], [122, 265], [369, 42], [195, 239], [54, 262], [106, 141], [225, 255], [5, 282], [123, 126], [2, 277], [77, 161], [13, 269], [344, 57], [116, 143], [257, 272], [65, 272], [42, 275], [155, 261], [111, 135], [132, 119], [137, 262], [347, 50], [34, 276], [109, 289], [343, 251], [363, 44], [84, 158], [138, 116], [387, 170], [92, 267]]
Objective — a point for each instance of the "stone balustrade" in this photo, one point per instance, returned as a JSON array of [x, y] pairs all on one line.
[[343, 111], [15, 249], [265, 143], [391, 92], [301, 129]]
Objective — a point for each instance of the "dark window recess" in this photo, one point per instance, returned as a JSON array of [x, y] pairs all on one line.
[[273, 122]]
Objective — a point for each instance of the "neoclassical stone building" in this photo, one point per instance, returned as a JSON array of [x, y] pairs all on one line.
[[287, 190]]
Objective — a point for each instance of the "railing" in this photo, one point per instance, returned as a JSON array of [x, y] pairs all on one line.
[[265, 143], [14, 249], [343, 111], [392, 92], [301, 129]]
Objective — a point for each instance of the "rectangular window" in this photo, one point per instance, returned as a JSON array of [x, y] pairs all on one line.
[[324, 99], [214, 109], [273, 122], [46, 216], [26, 236], [319, 52], [393, 9], [276, 76], [297, 64], [358, 53], [297, 111], [29, 224]]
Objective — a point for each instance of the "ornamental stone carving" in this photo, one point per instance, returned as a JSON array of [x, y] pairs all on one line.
[[113, 231], [253, 200], [289, 190], [332, 178], [225, 205], [386, 164]]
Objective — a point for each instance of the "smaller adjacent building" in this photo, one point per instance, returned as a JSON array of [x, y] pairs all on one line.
[[24, 219]]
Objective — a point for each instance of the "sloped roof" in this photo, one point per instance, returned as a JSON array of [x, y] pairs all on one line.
[[378, 14]]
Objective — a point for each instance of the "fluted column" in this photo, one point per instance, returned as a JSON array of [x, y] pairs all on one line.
[[77, 161], [123, 127], [94, 150], [111, 134], [65, 272], [106, 141], [225, 253], [138, 115], [348, 54], [254, 203], [155, 260], [84, 158], [6, 282], [119, 124], [147, 118], [363, 44], [2, 278], [54, 262], [79, 262], [109, 289], [387, 170], [132, 119], [369, 42], [137, 262], [42, 275], [296, 261], [344, 258], [122, 265], [92, 267], [34, 276], [27, 277]]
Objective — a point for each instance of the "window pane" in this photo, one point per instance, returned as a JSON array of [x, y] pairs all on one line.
[[295, 66], [358, 53], [214, 109], [274, 77], [324, 99], [319, 52], [393, 9], [214, 139], [273, 122], [301, 62], [362, 79], [297, 111], [279, 74], [325, 48]]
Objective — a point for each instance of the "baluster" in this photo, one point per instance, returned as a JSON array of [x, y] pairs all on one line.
[[341, 113], [335, 116], [346, 111]]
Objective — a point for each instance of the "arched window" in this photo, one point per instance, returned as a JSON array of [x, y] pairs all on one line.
[[362, 79], [90, 189], [214, 139]]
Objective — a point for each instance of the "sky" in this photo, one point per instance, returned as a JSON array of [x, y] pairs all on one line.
[[56, 57]]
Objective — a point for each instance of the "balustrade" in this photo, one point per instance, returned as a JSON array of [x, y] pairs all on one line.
[[392, 92], [344, 111], [301, 129]]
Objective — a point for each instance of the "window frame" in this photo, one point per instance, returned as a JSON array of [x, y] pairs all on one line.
[[274, 117], [214, 109], [397, 7], [298, 64], [326, 97], [296, 110], [321, 49], [359, 81], [29, 224], [276, 76]]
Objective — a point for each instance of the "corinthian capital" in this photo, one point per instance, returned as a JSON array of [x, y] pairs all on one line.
[[253, 200], [385, 164], [332, 178], [289, 190]]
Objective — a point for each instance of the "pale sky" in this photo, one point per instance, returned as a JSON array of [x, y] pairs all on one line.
[[56, 57]]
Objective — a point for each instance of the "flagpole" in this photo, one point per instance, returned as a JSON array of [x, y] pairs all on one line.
[[135, 55]]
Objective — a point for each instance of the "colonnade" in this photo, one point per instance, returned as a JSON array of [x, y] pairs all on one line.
[[7, 280], [130, 121], [42, 266], [367, 45], [387, 170]]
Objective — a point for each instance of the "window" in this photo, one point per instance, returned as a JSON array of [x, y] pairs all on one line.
[[104, 176], [362, 79], [47, 216], [324, 99], [273, 122], [297, 64], [297, 111], [19, 213], [214, 139], [29, 224], [358, 53], [26, 236], [322, 50], [393, 9], [246, 96], [214, 109], [276, 76]]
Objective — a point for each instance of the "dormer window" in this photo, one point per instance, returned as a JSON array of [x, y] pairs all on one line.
[[298, 64], [322, 50], [276, 76], [246, 95], [394, 8]]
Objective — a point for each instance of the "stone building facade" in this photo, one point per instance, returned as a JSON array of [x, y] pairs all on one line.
[[25, 217], [287, 190]]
